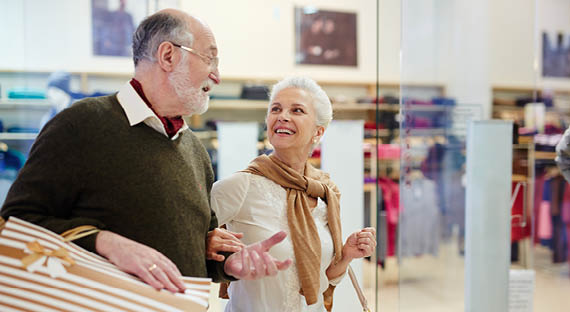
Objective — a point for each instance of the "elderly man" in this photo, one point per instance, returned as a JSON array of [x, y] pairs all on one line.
[[128, 164]]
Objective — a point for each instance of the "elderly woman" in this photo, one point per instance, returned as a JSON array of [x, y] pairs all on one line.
[[283, 192]]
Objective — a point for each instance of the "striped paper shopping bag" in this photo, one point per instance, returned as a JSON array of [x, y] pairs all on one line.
[[61, 276]]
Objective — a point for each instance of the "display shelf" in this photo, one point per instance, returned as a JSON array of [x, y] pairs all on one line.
[[544, 155], [239, 104], [23, 104], [85, 79], [520, 109], [519, 178], [426, 131], [369, 187], [10, 136]]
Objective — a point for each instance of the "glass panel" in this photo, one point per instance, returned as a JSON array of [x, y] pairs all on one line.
[[433, 133], [469, 48]]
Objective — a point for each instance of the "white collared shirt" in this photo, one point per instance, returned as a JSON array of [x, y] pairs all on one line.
[[137, 111]]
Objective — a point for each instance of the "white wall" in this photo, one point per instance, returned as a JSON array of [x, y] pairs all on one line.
[[256, 38], [512, 42], [40, 35]]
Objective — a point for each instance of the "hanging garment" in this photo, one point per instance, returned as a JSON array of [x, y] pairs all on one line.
[[565, 208], [518, 231], [538, 194], [420, 217], [391, 202], [559, 240], [544, 229]]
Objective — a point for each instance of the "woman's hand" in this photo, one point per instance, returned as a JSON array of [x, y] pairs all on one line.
[[360, 244], [222, 240], [254, 261]]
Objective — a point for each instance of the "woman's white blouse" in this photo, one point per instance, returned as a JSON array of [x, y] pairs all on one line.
[[256, 207]]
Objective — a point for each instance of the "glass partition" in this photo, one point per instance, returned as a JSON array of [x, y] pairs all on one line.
[[472, 49]]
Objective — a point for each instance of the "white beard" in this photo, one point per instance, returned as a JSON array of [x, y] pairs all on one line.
[[195, 100]]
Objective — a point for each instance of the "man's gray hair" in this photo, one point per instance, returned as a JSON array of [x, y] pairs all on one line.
[[156, 29], [321, 101]]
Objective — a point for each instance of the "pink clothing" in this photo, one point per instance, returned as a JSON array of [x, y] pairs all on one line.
[[544, 229]]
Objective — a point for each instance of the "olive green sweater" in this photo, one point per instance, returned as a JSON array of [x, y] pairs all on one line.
[[89, 166]]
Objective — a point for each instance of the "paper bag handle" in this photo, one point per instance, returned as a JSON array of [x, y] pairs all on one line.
[[79, 232]]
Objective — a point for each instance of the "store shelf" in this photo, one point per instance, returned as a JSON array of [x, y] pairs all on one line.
[[544, 155], [425, 131], [36, 104], [520, 109], [239, 104], [426, 108], [9, 136], [519, 178], [369, 187]]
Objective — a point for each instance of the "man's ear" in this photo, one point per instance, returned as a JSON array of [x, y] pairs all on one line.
[[166, 58]]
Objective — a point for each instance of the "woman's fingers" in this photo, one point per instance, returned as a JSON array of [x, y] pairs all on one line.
[[245, 261], [270, 265], [282, 265], [258, 265], [214, 256]]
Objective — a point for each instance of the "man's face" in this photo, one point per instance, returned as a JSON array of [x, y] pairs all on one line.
[[194, 99], [196, 73]]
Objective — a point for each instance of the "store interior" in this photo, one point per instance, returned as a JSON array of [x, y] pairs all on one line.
[[416, 77]]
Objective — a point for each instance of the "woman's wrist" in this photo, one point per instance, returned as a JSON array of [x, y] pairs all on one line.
[[346, 259]]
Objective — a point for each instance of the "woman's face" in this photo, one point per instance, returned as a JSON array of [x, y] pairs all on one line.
[[291, 121]]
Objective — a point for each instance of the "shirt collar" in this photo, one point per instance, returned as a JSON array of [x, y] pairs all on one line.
[[137, 111]]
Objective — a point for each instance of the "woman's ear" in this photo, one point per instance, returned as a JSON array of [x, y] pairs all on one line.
[[165, 56], [319, 133]]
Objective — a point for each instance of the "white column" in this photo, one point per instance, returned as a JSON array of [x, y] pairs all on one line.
[[237, 143], [343, 158], [488, 216], [469, 82]]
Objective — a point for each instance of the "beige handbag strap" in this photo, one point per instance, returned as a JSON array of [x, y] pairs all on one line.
[[359, 292], [79, 232]]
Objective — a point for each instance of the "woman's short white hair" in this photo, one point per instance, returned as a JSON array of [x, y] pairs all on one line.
[[321, 101]]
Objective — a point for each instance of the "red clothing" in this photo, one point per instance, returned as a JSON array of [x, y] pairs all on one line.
[[517, 231], [171, 125], [391, 198]]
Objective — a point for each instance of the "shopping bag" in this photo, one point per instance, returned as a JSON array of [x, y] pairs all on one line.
[[39, 271]]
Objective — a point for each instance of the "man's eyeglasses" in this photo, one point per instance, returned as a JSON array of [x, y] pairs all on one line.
[[210, 60]]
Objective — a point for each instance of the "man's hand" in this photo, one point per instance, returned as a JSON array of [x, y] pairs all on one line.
[[220, 240], [254, 261], [146, 263]]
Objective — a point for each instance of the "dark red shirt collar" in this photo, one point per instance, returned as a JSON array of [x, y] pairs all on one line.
[[171, 124]]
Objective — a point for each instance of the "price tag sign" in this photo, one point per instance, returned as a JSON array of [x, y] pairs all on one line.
[[521, 290]]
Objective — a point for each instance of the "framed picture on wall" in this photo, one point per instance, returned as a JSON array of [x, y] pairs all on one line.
[[556, 55], [325, 37], [113, 24], [157, 5]]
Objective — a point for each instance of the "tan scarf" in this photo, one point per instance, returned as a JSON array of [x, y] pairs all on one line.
[[304, 234]]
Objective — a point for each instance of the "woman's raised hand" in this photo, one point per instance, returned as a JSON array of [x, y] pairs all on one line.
[[360, 244]]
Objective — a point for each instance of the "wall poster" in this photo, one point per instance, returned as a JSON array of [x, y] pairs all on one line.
[[556, 55], [325, 37], [113, 24]]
